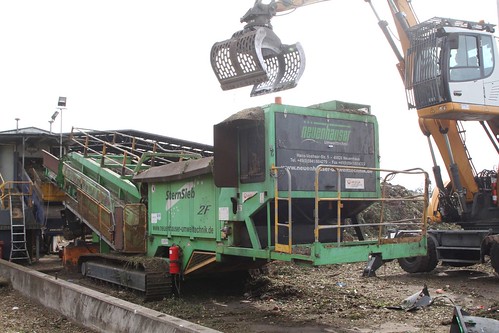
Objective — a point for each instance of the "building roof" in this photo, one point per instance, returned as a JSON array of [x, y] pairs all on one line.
[[27, 131]]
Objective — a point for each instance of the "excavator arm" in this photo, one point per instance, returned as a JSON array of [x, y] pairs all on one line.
[[442, 90]]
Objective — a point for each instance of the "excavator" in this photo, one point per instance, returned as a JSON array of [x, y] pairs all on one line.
[[450, 77]]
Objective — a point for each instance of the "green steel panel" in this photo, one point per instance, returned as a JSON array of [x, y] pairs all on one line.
[[182, 210], [327, 254]]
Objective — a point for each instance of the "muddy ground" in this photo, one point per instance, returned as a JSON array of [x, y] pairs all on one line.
[[337, 298], [290, 298]]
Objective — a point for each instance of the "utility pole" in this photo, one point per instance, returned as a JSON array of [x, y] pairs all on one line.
[[61, 105]]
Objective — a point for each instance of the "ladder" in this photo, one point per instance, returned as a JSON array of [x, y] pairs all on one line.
[[18, 250], [283, 230]]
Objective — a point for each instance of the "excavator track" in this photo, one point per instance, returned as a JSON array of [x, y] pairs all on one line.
[[147, 275]]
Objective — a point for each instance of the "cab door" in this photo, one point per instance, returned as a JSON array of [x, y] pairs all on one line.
[[491, 80]]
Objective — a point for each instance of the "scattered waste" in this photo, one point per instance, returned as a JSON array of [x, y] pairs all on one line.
[[416, 301], [462, 321]]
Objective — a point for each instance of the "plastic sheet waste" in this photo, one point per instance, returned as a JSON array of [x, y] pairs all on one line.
[[416, 301]]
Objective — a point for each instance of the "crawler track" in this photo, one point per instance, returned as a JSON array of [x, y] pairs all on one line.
[[147, 275]]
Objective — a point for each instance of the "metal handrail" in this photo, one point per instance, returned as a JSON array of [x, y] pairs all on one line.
[[6, 188], [107, 201], [339, 199], [136, 155]]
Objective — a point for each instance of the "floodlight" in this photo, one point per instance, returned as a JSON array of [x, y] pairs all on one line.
[[62, 102]]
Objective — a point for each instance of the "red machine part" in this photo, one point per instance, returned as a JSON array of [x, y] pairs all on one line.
[[174, 256]]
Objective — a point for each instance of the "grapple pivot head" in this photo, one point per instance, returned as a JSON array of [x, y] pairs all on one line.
[[257, 57]]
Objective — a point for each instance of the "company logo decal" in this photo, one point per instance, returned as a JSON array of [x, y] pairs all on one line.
[[185, 192]]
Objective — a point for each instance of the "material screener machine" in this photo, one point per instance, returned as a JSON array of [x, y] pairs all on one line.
[[281, 182]]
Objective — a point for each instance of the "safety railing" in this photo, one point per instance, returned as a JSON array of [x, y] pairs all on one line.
[[94, 202], [384, 227], [87, 185], [14, 188], [125, 154], [343, 228]]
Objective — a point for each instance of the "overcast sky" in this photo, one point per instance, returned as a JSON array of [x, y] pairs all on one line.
[[145, 65]]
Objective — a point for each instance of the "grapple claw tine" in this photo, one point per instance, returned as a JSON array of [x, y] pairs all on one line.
[[284, 69]]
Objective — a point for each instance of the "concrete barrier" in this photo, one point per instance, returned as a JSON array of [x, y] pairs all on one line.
[[92, 309]]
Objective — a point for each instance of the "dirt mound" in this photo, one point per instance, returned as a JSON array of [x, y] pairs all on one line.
[[393, 210]]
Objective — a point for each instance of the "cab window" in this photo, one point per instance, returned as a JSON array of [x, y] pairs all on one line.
[[488, 55], [464, 64]]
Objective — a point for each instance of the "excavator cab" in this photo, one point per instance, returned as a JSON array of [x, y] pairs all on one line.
[[256, 56], [450, 63]]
